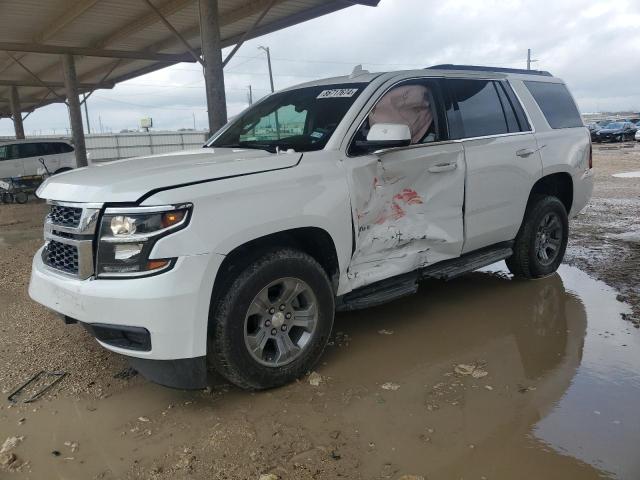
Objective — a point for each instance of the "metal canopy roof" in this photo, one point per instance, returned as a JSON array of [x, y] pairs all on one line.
[[116, 40]]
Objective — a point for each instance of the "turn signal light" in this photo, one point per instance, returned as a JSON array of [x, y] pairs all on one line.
[[171, 218], [156, 264]]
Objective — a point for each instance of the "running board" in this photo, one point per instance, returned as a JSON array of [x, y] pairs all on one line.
[[404, 285], [450, 269]]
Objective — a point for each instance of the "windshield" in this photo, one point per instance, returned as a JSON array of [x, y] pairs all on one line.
[[614, 126], [302, 119]]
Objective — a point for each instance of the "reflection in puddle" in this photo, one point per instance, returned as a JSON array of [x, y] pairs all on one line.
[[559, 400]]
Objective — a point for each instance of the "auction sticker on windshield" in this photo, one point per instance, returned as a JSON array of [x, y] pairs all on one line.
[[338, 93]]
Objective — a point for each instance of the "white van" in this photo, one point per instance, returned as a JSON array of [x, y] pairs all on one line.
[[337, 194], [19, 158]]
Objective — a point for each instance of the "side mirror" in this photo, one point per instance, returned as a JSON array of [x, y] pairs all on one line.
[[386, 135]]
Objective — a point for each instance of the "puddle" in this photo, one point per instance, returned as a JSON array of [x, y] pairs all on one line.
[[559, 400], [627, 175]]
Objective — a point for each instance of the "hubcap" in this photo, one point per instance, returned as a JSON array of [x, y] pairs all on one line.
[[280, 322], [548, 238]]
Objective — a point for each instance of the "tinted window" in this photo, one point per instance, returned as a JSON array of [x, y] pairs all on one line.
[[28, 150], [509, 113], [556, 104], [4, 152], [65, 148], [47, 148], [478, 106]]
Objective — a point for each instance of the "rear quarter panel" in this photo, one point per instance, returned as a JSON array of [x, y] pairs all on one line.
[[564, 150]]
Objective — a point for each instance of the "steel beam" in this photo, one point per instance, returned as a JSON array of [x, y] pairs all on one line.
[[16, 112], [50, 85], [213, 67], [95, 52], [75, 112], [175, 32]]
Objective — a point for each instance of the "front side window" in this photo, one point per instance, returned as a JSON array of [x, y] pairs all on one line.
[[302, 119], [556, 104], [476, 108], [416, 104], [4, 152]]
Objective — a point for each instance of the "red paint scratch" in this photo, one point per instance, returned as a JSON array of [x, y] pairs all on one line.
[[408, 196]]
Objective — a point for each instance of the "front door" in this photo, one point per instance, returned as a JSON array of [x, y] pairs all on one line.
[[407, 202], [407, 207]]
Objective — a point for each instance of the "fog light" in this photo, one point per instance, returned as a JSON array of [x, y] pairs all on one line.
[[126, 251]]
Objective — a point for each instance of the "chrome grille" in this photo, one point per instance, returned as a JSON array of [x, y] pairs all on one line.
[[69, 232], [61, 256], [65, 216]]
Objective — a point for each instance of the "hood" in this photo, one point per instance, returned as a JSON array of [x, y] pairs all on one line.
[[128, 180]]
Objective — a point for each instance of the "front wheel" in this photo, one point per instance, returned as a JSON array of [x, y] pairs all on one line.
[[273, 321], [542, 240]]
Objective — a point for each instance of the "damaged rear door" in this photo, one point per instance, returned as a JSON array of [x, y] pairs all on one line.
[[407, 202]]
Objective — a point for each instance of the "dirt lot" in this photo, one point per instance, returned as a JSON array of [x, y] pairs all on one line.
[[484, 377]]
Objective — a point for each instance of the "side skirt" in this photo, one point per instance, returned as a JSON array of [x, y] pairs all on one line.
[[404, 285]]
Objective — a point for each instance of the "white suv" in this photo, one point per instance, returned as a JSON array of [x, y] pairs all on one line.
[[333, 195], [20, 158]]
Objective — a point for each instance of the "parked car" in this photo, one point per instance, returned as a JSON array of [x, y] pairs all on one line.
[[593, 130], [236, 256], [616, 132], [637, 136], [19, 158]]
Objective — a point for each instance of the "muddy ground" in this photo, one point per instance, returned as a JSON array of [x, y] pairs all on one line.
[[481, 377]]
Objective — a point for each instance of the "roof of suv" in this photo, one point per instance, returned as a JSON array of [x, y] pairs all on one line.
[[470, 71], [5, 141]]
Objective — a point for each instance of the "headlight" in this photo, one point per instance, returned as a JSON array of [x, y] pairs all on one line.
[[127, 236]]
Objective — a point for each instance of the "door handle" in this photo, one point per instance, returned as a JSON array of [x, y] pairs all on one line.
[[443, 167], [525, 152]]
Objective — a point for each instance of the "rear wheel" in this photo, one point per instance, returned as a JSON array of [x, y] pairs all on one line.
[[542, 240], [273, 321], [7, 197], [21, 198], [62, 170]]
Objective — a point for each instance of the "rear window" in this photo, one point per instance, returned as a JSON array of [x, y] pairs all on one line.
[[556, 104]]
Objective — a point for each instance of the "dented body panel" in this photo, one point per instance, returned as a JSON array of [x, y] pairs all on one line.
[[407, 207]]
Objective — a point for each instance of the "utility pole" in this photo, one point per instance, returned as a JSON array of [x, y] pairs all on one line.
[[268, 50], [250, 96], [100, 122], [194, 119], [529, 59], [86, 112]]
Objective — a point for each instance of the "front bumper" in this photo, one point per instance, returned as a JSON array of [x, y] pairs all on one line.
[[173, 306]]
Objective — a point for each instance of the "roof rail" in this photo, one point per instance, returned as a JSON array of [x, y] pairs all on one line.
[[478, 68]]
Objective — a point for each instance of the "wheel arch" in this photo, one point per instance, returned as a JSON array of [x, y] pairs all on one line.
[[559, 184], [314, 241]]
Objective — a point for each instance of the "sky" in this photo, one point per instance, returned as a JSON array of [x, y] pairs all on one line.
[[594, 45]]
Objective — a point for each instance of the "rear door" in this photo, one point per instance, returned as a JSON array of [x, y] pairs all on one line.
[[406, 202], [501, 154], [30, 153], [10, 163]]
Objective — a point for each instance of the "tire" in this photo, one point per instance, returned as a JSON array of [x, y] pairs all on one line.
[[248, 313], [62, 170], [538, 239], [21, 198], [7, 198]]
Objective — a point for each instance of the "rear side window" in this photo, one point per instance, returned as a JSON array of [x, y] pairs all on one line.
[[47, 148], [60, 147], [556, 104], [476, 108], [26, 150]]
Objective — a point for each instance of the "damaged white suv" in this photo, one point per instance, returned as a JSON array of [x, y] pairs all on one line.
[[333, 195]]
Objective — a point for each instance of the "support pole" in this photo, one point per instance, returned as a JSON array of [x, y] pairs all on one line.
[[213, 67], [14, 100], [75, 111]]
